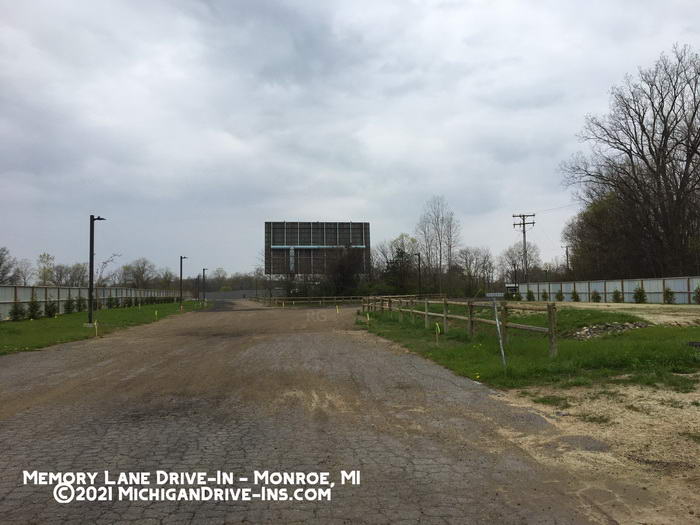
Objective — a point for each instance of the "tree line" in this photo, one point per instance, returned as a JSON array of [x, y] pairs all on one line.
[[640, 180]]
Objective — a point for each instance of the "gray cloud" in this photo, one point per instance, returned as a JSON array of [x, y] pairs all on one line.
[[190, 123]]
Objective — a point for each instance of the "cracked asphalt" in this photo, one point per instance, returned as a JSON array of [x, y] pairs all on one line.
[[243, 388]]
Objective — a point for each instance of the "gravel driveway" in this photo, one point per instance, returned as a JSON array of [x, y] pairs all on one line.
[[244, 388]]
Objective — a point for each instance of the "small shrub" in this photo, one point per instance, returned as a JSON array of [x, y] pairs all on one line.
[[640, 296], [51, 309], [480, 293], [696, 295], [530, 295], [617, 296], [34, 309], [69, 305], [595, 296], [544, 295], [574, 296], [559, 296], [111, 303], [517, 296], [80, 303], [508, 296], [128, 302], [17, 312], [669, 296]]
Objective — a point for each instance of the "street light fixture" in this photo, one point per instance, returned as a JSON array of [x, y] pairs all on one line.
[[419, 277], [181, 258], [91, 287], [204, 284]]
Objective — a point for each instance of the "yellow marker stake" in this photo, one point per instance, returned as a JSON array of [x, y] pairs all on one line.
[[156, 314], [337, 310], [437, 332], [367, 319], [95, 327]]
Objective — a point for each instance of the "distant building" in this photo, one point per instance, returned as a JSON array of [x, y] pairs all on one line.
[[314, 248]]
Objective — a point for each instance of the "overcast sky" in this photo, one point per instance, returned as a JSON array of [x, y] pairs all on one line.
[[189, 124]]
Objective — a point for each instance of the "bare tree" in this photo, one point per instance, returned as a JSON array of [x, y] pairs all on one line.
[[7, 265], [645, 153], [23, 272], [438, 232], [61, 275], [44, 269], [510, 261], [101, 278], [78, 274]]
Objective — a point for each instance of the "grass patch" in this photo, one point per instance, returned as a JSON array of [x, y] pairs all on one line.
[[635, 408], [610, 394], [652, 356], [693, 436], [20, 336], [557, 401], [594, 418]]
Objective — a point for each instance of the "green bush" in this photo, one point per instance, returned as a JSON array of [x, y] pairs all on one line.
[[128, 302], [508, 296], [559, 296], [480, 293], [111, 302], [530, 295], [69, 305], [640, 296], [51, 309], [617, 296], [544, 295], [517, 296], [696, 295], [574, 296], [595, 296], [34, 309], [17, 312], [669, 296], [80, 303]]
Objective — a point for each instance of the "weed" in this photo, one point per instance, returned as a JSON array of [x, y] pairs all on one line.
[[694, 436], [557, 401], [594, 418]]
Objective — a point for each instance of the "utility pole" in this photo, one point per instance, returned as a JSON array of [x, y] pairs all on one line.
[[567, 257], [204, 284], [181, 258], [91, 284], [523, 224], [419, 276]]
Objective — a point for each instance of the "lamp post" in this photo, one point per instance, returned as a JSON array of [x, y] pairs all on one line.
[[419, 278], [91, 284], [181, 259], [204, 284]]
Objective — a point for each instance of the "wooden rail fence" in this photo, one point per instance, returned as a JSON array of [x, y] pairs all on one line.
[[411, 305]]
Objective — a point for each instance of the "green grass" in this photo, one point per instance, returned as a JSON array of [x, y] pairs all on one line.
[[594, 418], [655, 356], [693, 436], [19, 336]]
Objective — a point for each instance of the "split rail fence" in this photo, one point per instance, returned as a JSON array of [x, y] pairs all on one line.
[[407, 305], [328, 300]]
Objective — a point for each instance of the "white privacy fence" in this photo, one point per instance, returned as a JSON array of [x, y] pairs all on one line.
[[682, 288], [10, 294]]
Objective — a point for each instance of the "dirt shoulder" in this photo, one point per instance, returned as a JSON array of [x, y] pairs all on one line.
[[670, 314], [636, 434]]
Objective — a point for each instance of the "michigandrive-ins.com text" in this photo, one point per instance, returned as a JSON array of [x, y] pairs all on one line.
[[189, 486]]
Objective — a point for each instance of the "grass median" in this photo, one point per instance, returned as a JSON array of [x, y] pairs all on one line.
[[655, 355], [20, 336]]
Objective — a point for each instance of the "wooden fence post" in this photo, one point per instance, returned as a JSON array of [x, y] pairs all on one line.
[[444, 315], [391, 311], [426, 314], [552, 321], [504, 322], [470, 314], [401, 310]]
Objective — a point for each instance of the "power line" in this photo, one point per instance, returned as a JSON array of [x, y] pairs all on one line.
[[558, 207]]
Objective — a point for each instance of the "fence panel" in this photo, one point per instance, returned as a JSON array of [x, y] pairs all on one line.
[[61, 294], [683, 289]]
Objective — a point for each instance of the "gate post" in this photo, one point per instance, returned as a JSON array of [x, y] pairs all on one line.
[[426, 313], [444, 315], [470, 314]]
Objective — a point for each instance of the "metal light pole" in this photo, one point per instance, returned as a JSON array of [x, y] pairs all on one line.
[[419, 278], [204, 284], [91, 284], [181, 258]]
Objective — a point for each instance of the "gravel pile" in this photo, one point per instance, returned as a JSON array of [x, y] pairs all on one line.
[[588, 332]]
